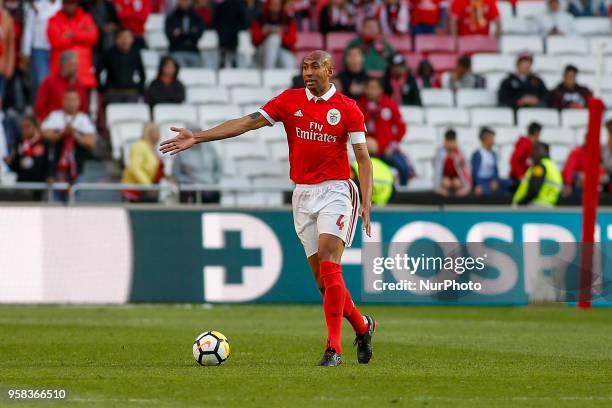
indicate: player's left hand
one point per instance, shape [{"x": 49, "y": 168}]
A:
[
  {"x": 364, "y": 213},
  {"x": 183, "y": 141}
]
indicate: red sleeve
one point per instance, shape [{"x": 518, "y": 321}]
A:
[
  {"x": 257, "y": 36},
  {"x": 399, "y": 124},
  {"x": 88, "y": 33},
  {"x": 456, "y": 8},
  {"x": 570, "y": 168},
  {"x": 273, "y": 109},
  {"x": 290, "y": 35},
  {"x": 131, "y": 13},
  {"x": 55, "y": 32},
  {"x": 357, "y": 123},
  {"x": 517, "y": 161},
  {"x": 493, "y": 11}
]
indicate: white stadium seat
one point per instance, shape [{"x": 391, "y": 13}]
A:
[
  {"x": 280, "y": 78},
  {"x": 505, "y": 9},
  {"x": 494, "y": 80},
  {"x": 236, "y": 77},
  {"x": 243, "y": 148},
  {"x": 207, "y": 95},
  {"x": 484, "y": 63},
  {"x": 507, "y": 135},
  {"x": 420, "y": 133},
  {"x": 150, "y": 58},
  {"x": 127, "y": 112},
  {"x": 603, "y": 43},
  {"x": 258, "y": 168},
  {"x": 215, "y": 114},
  {"x": 246, "y": 50},
  {"x": 250, "y": 108},
  {"x": 197, "y": 77},
  {"x": 209, "y": 40},
  {"x": 437, "y": 97},
  {"x": 171, "y": 113},
  {"x": 584, "y": 63},
  {"x": 271, "y": 134},
  {"x": 279, "y": 150},
  {"x": 412, "y": 115},
  {"x": 515, "y": 44},
  {"x": 447, "y": 117},
  {"x": 155, "y": 22},
  {"x": 563, "y": 45},
  {"x": 150, "y": 74},
  {"x": 157, "y": 40},
  {"x": 121, "y": 133},
  {"x": 467, "y": 98},
  {"x": 593, "y": 25},
  {"x": 544, "y": 116},
  {"x": 547, "y": 64},
  {"x": 550, "y": 80},
  {"x": 530, "y": 8},
  {"x": 559, "y": 153},
  {"x": 492, "y": 117},
  {"x": 244, "y": 96},
  {"x": 421, "y": 151},
  {"x": 574, "y": 118},
  {"x": 558, "y": 135},
  {"x": 517, "y": 25}
]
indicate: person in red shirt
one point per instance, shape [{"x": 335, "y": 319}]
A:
[
  {"x": 386, "y": 128},
  {"x": 72, "y": 29},
  {"x": 424, "y": 16},
  {"x": 451, "y": 172},
  {"x": 133, "y": 14},
  {"x": 470, "y": 17},
  {"x": 49, "y": 96},
  {"x": 319, "y": 122},
  {"x": 521, "y": 156},
  {"x": 274, "y": 34}
]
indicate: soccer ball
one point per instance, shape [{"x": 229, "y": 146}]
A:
[{"x": 211, "y": 348}]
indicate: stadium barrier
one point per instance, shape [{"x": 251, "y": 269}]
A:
[{"x": 88, "y": 254}]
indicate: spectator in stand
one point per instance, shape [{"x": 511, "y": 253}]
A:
[
  {"x": 30, "y": 160},
  {"x": 451, "y": 173},
  {"x": 588, "y": 8},
  {"x": 201, "y": 165},
  {"x": 105, "y": 16},
  {"x": 555, "y": 21},
  {"x": 166, "y": 88},
  {"x": 204, "y": 9},
  {"x": 35, "y": 43},
  {"x": 400, "y": 84},
  {"x": 337, "y": 15},
  {"x": 274, "y": 34},
  {"x": 133, "y": 14},
  {"x": 7, "y": 49},
  {"x": 383, "y": 181},
  {"x": 253, "y": 10},
  {"x": 471, "y": 17},
  {"x": 523, "y": 88},
  {"x": 353, "y": 77},
  {"x": 426, "y": 75},
  {"x": 485, "y": 177},
  {"x": 462, "y": 76},
  {"x": 72, "y": 29},
  {"x": 72, "y": 135},
  {"x": 184, "y": 28},
  {"x": 395, "y": 17},
  {"x": 375, "y": 49},
  {"x": 568, "y": 94},
  {"x": 521, "y": 156},
  {"x": 229, "y": 18},
  {"x": 424, "y": 16},
  {"x": 542, "y": 183},
  {"x": 125, "y": 75},
  {"x": 144, "y": 165},
  {"x": 56, "y": 84},
  {"x": 386, "y": 128}
]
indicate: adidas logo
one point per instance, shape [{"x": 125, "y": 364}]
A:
[{"x": 298, "y": 113}]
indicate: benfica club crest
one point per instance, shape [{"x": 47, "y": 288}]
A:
[{"x": 333, "y": 116}]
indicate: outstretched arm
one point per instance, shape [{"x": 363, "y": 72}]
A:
[
  {"x": 231, "y": 128},
  {"x": 365, "y": 182}
]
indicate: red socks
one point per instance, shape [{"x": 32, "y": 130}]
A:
[
  {"x": 337, "y": 302},
  {"x": 333, "y": 302}
]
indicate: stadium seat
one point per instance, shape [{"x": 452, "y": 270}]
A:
[
  {"x": 471, "y": 44},
  {"x": 606, "y": 97},
  {"x": 413, "y": 59},
  {"x": 280, "y": 78},
  {"x": 443, "y": 61},
  {"x": 209, "y": 40},
  {"x": 197, "y": 77},
  {"x": 171, "y": 113},
  {"x": 468, "y": 98},
  {"x": 545, "y": 116},
  {"x": 337, "y": 41},
  {"x": 494, "y": 80},
  {"x": 279, "y": 150},
  {"x": 150, "y": 74},
  {"x": 558, "y": 135},
  {"x": 506, "y": 135},
  {"x": 530, "y": 8},
  {"x": 127, "y": 112},
  {"x": 515, "y": 44},
  {"x": 246, "y": 50},
  {"x": 574, "y": 118},
  {"x": 559, "y": 153},
  {"x": 547, "y": 64},
  {"x": 437, "y": 97},
  {"x": 421, "y": 151},
  {"x": 420, "y": 184},
  {"x": 215, "y": 114},
  {"x": 603, "y": 43},
  {"x": 434, "y": 43},
  {"x": 250, "y": 108},
  {"x": 243, "y": 148},
  {"x": 258, "y": 168},
  {"x": 585, "y": 63},
  {"x": 244, "y": 96},
  {"x": 150, "y": 58},
  {"x": 207, "y": 95},
  {"x": 157, "y": 40},
  {"x": 516, "y": 25},
  {"x": 505, "y": 8},
  {"x": 420, "y": 133},
  {"x": 307, "y": 41},
  {"x": 562, "y": 45},
  {"x": 121, "y": 133},
  {"x": 593, "y": 25},
  {"x": 412, "y": 115},
  {"x": 401, "y": 43},
  {"x": 550, "y": 80},
  {"x": 237, "y": 77},
  {"x": 483, "y": 63},
  {"x": 270, "y": 134},
  {"x": 492, "y": 117},
  {"x": 155, "y": 22},
  {"x": 229, "y": 198},
  {"x": 273, "y": 182},
  {"x": 447, "y": 117}
]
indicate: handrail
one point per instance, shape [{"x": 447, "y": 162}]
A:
[{"x": 37, "y": 186}]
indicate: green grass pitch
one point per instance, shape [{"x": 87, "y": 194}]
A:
[{"x": 140, "y": 356}]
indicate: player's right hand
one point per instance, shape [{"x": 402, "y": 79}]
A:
[
  {"x": 364, "y": 213},
  {"x": 183, "y": 141}
]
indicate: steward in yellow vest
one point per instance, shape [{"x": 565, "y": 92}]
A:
[{"x": 542, "y": 183}]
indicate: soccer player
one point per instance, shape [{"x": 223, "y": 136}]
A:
[{"x": 319, "y": 121}]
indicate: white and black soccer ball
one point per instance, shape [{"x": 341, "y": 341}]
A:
[{"x": 211, "y": 348}]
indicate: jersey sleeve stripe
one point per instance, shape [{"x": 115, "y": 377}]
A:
[
  {"x": 357, "y": 137},
  {"x": 265, "y": 115}
]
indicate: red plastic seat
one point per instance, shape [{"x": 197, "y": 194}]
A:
[
  {"x": 309, "y": 41},
  {"x": 471, "y": 44},
  {"x": 401, "y": 43},
  {"x": 443, "y": 62},
  {"x": 338, "y": 41},
  {"x": 435, "y": 43},
  {"x": 413, "y": 59}
]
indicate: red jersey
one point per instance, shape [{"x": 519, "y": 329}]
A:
[
  {"x": 318, "y": 129},
  {"x": 425, "y": 12},
  {"x": 474, "y": 16}
]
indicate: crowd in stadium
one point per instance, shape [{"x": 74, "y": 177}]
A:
[{"x": 63, "y": 62}]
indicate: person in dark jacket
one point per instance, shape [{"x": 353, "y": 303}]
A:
[
  {"x": 353, "y": 77},
  {"x": 568, "y": 94},
  {"x": 184, "y": 28},
  {"x": 166, "y": 88},
  {"x": 230, "y": 16},
  {"x": 125, "y": 75},
  {"x": 30, "y": 160},
  {"x": 338, "y": 15},
  {"x": 400, "y": 84},
  {"x": 105, "y": 17},
  {"x": 523, "y": 88}
]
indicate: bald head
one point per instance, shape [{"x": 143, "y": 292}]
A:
[{"x": 317, "y": 70}]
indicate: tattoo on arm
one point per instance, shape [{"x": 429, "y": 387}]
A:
[{"x": 255, "y": 115}]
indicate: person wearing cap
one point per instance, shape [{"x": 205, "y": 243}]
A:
[
  {"x": 523, "y": 88},
  {"x": 542, "y": 183},
  {"x": 400, "y": 84},
  {"x": 555, "y": 21},
  {"x": 568, "y": 94}
]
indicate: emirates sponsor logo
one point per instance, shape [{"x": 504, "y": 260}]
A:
[{"x": 315, "y": 133}]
